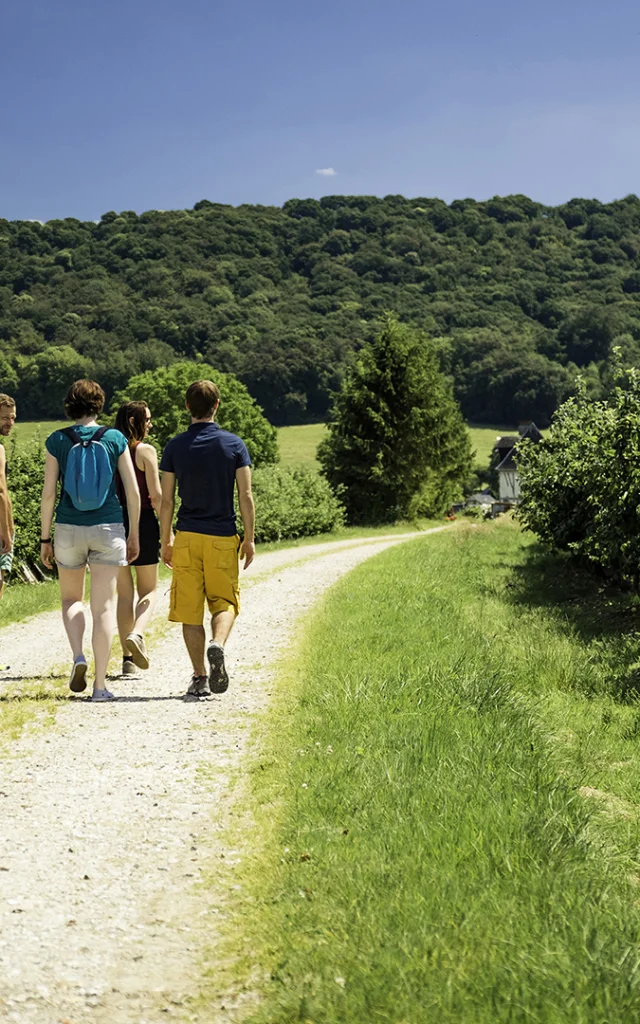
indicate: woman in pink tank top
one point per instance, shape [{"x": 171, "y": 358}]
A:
[{"x": 134, "y": 421}]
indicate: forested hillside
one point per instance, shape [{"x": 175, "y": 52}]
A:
[{"x": 517, "y": 294}]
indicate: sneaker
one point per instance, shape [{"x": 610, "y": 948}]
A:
[
  {"x": 218, "y": 678},
  {"x": 199, "y": 687},
  {"x": 78, "y": 677},
  {"x": 136, "y": 647},
  {"x": 101, "y": 696},
  {"x": 128, "y": 668}
]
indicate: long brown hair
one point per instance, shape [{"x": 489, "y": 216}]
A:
[{"x": 136, "y": 411}]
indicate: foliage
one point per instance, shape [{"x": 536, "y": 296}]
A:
[
  {"x": 293, "y": 503},
  {"x": 519, "y": 294},
  {"x": 398, "y": 446},
  {"x": 164, "y": 391},
  {"x": 581, "y": 485},
  {"x": 423, "y": 849},
  {"x": 25, "y": 479}
]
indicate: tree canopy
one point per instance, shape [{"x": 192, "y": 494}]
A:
[
  {"x": 518, "y": 295},
  {"x": 398, "y": 445},
  {"x": 164, "y": 391}
]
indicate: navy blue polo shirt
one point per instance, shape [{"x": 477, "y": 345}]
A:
[{"x": 205, "y": 459}]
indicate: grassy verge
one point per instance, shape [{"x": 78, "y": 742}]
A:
[{"x": 447, "y": 799}]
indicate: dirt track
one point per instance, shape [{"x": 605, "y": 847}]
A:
[{"x": 108, "y": 817}]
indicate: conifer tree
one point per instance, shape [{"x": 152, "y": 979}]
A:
[{"x": 398, "y": 445}]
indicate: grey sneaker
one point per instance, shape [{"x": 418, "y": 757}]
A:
[
  {"x": 136, "y": 647},
  {"x": 102, "y": 696},
  {"x": 128, "y": 668},
  {"x": 78, "y": 677},
  {"x": 199, "y": 687},
  {"x": 218, "y": 678}
]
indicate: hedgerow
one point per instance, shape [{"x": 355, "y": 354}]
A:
[{"x": 581, "y": 485}]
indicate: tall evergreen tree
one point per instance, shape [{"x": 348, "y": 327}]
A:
[{"x": 398, "y": 445}]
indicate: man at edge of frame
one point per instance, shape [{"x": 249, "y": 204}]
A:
[
  {"x": 7, "y": 528},
  {"x": 207, "y": 463}
]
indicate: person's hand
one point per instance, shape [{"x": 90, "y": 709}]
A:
[
  {"x": 46, "y": 555},
  {"x": 167, "y": 555},
  {"x": 6, "y": 543},
  {"x": 248, "y": 552},
  {"x": 133, "y": 549}
]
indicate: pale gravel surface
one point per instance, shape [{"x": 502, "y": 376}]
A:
[{"x": 107, "y": 819}]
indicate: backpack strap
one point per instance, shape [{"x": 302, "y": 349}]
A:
[
  {"x": 75, "y": 438},
  {"x": 71, "y": 434}
]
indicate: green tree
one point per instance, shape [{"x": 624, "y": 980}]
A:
[
  {"x": 398, "y": 445},
  {"x": 581, "y": 485},
  {"x": 164, "y": 391}
]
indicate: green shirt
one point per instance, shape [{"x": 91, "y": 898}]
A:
[{"x": 59, "y": 445}]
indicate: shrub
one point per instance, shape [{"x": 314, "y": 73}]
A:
[
  {"x": 25, "y": 479},
  {"x": 293, "y": 503},
  {"x": 398, "y": 446},
  {"x": 164, "y": 391},
  {"x": 581, "y": 485}
]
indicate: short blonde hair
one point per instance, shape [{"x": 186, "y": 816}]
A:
[{"x": 7, "y": 400}]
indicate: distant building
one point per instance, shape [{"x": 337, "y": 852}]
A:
[{"x": 505, "y": 456}]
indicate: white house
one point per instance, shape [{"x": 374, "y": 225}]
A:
[{"x": 505, "y": 455}]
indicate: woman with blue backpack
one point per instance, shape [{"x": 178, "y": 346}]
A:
[{"x": 89, "y": 526}]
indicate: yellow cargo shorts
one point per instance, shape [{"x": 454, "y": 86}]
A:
[{"x": 203, "y": 567}]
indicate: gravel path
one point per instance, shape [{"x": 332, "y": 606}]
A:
[{"x": 108, "y": 817}]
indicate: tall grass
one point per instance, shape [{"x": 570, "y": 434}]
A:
[{"x": 430, "y": 843}]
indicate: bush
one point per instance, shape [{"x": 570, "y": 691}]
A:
[
  {"x": 25, "y": 479},
  {"x": 294, "y": 503},
  {"x": 164, "y": 391},
  {"x": 581, "y": 485}
]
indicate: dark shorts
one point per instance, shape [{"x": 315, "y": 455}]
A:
[{"x": 149, "y": 538}]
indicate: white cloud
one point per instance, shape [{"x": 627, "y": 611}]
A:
[{"x": 326, "y": 172}]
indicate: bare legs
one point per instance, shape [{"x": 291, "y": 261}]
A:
[
  {"x": 103, "y": 591},
  {"x": 103, "y": 594},
  {"x": 194, "y": 638},
  {"x": 134, "y": 617},
  {"x": 73, "y": 616}
]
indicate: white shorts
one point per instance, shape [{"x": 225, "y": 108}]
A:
[{"x": 74, "y": 546}]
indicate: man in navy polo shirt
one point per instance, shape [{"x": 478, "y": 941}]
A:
[{"x": 207, "y": 463}]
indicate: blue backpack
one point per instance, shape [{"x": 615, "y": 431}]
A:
[{"x": 88, "y": 475}]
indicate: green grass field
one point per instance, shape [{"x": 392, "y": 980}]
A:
[
  {"x": 29, "y": 429},
  {"x": 447, "y": 799},
  {"x": 298, "y": 444}
]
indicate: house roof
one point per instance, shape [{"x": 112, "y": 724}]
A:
[
  {"x": 509, "y": 461},
  {"x": 508, "y": 442},
  {"x": 481, "y": 498}
]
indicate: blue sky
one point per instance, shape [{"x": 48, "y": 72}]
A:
[{"x": 155, "y": 104}]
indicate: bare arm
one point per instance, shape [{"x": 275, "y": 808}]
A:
[
  {"x": 132, "y": 494},
  {"x": 149, "y": 459},
  {"x": 248, "y": 514},
  {"x": 166, "y": 516},
  {"x": 6, "y": 514},
  {"x": 51, "y": 474}
]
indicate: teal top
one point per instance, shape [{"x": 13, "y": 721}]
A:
[{"x": 59, "y": 445}]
